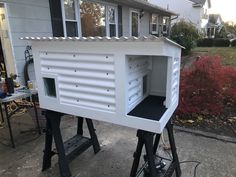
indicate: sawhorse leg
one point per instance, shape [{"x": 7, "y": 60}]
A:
[
  {"x": 144, "y": 138},
  {"x": 93, "y": 135},
  {"x": 80, "y": 126},
  {"x": 8, "y": 117},
  {"x": 169, "y": 128},
  {"x": 137, "y": 155},
  {"x": 1, "y": 112},
  {"x": 53, "y": 131},
  {"x": 96, "y": 146},
  {"x": 48, "y": 153},
  {"x": 36, "y": 113}
]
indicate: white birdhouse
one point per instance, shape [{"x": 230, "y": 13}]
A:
[{"x": 132, "y": 82}]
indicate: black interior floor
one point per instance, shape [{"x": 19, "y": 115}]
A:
[{"x": 150, "y": 108}]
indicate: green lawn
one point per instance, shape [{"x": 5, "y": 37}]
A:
[{"x": 228, "y": 54}]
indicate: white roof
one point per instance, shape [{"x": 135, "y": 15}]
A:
[{"x": 150, "y": 38}]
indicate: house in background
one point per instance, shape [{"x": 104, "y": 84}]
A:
[
  {"x": 215, "y": 24},
  {"x": 20, "y": 18},
  {"x": 193, "y": 11}
]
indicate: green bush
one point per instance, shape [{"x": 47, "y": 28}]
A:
[
  {"x": 233, "y": 43},
  {"x": 210, "y": 42},
  {"x": 206, "y": 42},
  {"x": 185, "y": 34},
  {"x": 221, "y": 42}
]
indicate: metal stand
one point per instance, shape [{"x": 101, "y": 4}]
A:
[
  {"x": 9, "y": 125},
  {"x": 146, "y": 139},
  {"x": 34, "y": 96},
  {"x": 10, "y": 114},
  {"x": 70, "y": 149},
  {"x": 1, "y": 113}
]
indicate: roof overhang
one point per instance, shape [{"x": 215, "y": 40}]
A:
[
  {"x": 201, "y": 4},
  {"x": 149, "y": 38},
  {"x": 146, "y": 6},
  {"x": 197, "y": 5}
]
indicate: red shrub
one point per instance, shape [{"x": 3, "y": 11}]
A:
[
  {"x": 206, "y": 86},
  {"x": 229, "y": 90}
]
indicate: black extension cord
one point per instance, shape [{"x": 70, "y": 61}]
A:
[
  {"x": 192, "y": 161},
  {"x": 182, "y": 162}
]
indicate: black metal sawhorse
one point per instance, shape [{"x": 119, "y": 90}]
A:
[
  {"x": 146, "y": 139},
  {"x": 70, "y": 149}
]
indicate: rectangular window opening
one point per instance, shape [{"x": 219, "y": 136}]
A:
[
  {"x": 135, "y": 24},
  {"x": 147, "y": 86},
  {"x": 154, "y": 24},
  {"x": 93, "y": 19},
  {"x": 71, "y": 29},
  {"x": 49, "y": 86},
  {"x": 98, "y": 19},
  {"x": 70, "y": 18}
]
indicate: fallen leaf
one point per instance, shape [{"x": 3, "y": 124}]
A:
[
  {"x": 232, "y": 120},
  {"x": 182, "y": 121},
  {"x": 199, "y": 118},
  {"x": 190, "y": 121}
]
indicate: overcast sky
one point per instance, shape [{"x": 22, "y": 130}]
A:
[{"x": 227, "y": 9}]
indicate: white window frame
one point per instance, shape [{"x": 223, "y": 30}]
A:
[
  {"x": 157, "y": 24},
  {"x": 107, "y": 19},
  {"x": 77, "y": 18},
  {"x": 130, "y": 21},
  {"x": 167, "y": 25},
  {"x": 107, "y": 5}
]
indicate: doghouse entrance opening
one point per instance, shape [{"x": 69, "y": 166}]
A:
[
  {"x": 49, "y": 86},
  {"x": 147, "y": 78}
]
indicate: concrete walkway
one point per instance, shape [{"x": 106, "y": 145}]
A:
[{"x": 218, "y": 159}]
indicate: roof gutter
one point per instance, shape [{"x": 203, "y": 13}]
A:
[
  {"x": 177, "y": 16},
  {"x": 197, "y": 5},
  {"x": 140, "y": 4}
]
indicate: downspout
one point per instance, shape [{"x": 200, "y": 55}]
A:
[{"x": 171, "y": 19}]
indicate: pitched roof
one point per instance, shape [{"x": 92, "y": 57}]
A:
[
  {"x": 214, "y": 19},
  {"x": 201, "y": 2},
  {"x": 149, "y": 38}
]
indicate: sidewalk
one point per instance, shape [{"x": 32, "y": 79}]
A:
[{"x": 218, "y": 159}]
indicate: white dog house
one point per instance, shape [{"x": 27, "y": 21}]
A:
[{"x": 127, "y": 81}]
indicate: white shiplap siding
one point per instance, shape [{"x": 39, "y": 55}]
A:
[
  {"x": 144, "y": 24},
  {"x": 27, "y": 18}
]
